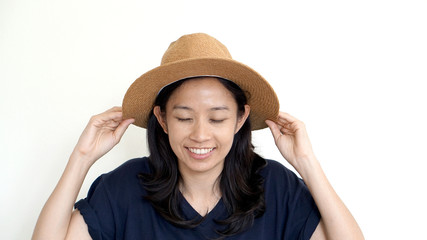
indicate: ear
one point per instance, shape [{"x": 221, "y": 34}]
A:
[
  {"x": 242, "y": 119},
  {"x": 161, "y": 118}
]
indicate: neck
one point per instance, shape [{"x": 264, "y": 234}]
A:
[
  {"x": 201, "y": 190},
  {"x": 199, "y": 186}
]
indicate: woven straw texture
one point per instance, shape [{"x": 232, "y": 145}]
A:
[{"x": 193, "y": 56}]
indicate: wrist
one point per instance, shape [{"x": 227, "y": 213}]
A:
[
  {"x": 308, "y": 166},
  {"x": 80, "y": 161}
]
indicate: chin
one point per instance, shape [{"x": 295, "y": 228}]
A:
[{"x": 203, "y": 166}]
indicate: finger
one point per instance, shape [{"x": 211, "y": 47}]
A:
[
  {"x": 275, "y": 131},
  {"x": 284, "y": 123},
  {"x": 107, "y": 116},
  {"x": 281, "y": 123},
  {"x": 121, "y": 129},
  {"x": 285, "y": 126},
  {"x": 287, "y": 131},
  {"x": 287, "y": 117},
  {"x": 289, "y": 121},
  {"x": 112, "y": 124}
]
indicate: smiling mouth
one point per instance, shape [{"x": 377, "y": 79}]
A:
[{"x": 200, "y": 151}]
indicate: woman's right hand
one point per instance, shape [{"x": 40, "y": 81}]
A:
[{"x": 101, "y": 134}]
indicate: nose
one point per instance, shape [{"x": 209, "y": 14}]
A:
[{"x": 200, "y": 132}]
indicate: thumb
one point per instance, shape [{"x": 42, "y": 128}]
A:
[
  {"x": 275, "y": 131},
  {"x": 121, "y": 129}
]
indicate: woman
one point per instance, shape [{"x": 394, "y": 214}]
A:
[{"x": 202, "y": 179}]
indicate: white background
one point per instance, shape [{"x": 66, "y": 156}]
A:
[{"x": 353, "y": 71}]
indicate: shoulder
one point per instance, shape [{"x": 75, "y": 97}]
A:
[
  {"x": 286, "y": 193},
  {"x": 125, "y": 177},
  {"x": 275, "y": 169},
  {"x": 112, "y": 196},
  {"x": 132, "y": 166},
  {"x": 277, "y": 176}
]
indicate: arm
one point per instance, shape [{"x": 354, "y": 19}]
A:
[
  {"x": 101, "y": 134},
  {"x": 293, "y": 143}
]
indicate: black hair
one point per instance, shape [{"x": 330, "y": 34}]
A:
[{"x": 240, "y": 184}]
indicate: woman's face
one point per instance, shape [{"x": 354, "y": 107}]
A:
[{"x": 201, "y": 120}]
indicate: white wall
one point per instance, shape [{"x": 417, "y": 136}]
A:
[{"x": 353, "y": 71}]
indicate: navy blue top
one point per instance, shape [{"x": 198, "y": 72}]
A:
[{"x": 115, "y": 208}]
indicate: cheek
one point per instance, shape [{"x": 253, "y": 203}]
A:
[
  {"x": 175, "y": 144},
  {"x": 176, "y": 135},
  {"x": 226, "y": 137}
]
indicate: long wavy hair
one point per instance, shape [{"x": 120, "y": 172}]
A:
[{"x": 240, "y": 184}]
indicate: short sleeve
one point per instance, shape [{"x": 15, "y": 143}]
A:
[
  {"x": 304, "y": 215},
  {"x": 97, "y": 211},
  {"x": 287, "y": 194}
]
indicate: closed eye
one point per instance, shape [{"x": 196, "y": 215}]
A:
[
  {"x": 217, "y": 120},
  {"x": 183, "y": 119}
]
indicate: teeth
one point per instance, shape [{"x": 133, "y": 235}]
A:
[{"x": 200, "y": 150}]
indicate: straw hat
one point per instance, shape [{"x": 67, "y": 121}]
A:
[{"x": 200, "y": 55}]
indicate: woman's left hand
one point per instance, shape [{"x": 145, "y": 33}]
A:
[{"x": 291, "y": 138}]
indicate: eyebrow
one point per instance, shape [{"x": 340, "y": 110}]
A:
[{"x": 211, "y": 109}]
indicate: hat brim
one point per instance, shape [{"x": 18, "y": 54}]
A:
[{"x": 139, "y": 98}]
